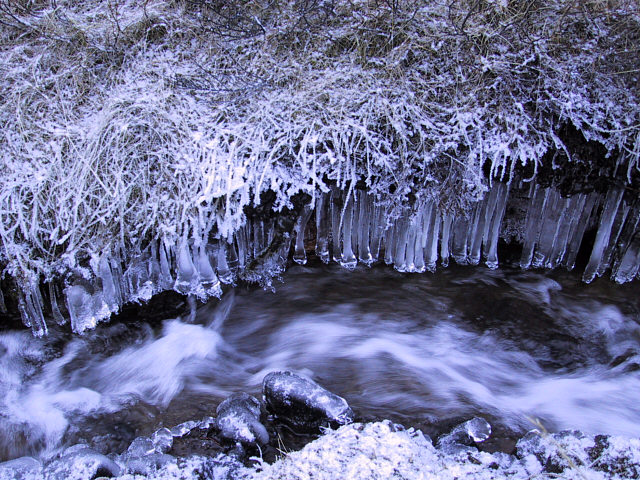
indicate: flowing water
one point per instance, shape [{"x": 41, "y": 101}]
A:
[{"x": 423, "y": 350}]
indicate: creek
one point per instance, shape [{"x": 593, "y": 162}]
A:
[{"x": 424, "y": 350}]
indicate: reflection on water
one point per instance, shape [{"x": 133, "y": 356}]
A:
[{"x": 418, "y": 349}]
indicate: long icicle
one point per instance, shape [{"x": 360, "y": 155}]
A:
[{"x": 612, "y": 202}]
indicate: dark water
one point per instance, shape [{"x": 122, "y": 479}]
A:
[{"x": 424, "y": 350}]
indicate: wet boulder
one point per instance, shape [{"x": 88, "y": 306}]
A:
[
  {"x": 238, "y": 420},
  {"x": 302, "y": 403},
  {"x": 465, "y": 436}
]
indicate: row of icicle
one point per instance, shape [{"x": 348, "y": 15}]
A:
[{"x": 350, "y": 229}]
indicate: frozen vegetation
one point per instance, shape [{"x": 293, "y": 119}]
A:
[{"x": 160, "y": 145}]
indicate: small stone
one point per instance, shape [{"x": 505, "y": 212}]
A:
[
  {"x": 239, "y": 420},
  {"x": 302, "y": 403}
]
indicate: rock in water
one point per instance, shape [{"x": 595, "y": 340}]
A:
[
  {"x": 463, "y": 437},
  {"x": 302, "y": 403},
  {"x": 239, "y": 420}
]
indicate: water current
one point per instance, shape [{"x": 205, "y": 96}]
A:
[{"x": 423, "y": 350}]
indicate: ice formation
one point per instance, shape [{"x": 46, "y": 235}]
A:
[{"x": 351, "y": 228}]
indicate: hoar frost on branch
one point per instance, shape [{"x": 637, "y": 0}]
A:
[{"x": 126, "y": 122}]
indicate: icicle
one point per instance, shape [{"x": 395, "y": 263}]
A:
[
  {"x": 376, "y": 229},
  {"x": 348, "y": 258},
  {"x": 364, "y": 229},
  {"x": 242, "y": 239},
  {"x": 631, "y": 226},
  {"x": 271, "y": 235},
  {"x": 533, "y": 224},
  {"x": 616, "y": 229},
  {"x": 478, "y": 226},
  {"x": 137, "y": 276},
  {"x": 185, "y": 269},
  {"x": 209, "y": 283},
  {"x": 548, "y": 229},
  {"x": 494, "y": 223},
  {"x": 166, "y": 281},
  {"x": 153, "y": 268},
  {"x": 389, "y": 244},
  {"x": 400, "y": 241},
  {"x": 258, "y": 239},
  {"x": 411, "y": 250},
  {"x": 419, "y": 252},
  {"x": 85, "y": 309},
  {"x": 460, "y": 239},
  {"x": 120, "y": 283},
  {"x": 336, "y": 212},
  {"x": 322, "y": 228},
  {"x": 299, "y": 254},
  {"x": 232, "y": 256},
  {"x": 581, "y": 224},
  {"x": 30, "y": 305},
  {"x": 608, "y": 216},
  {"x": 3, "y": 307},
  {"x": 55, "y": 308},
  {"x": 629, "y": 264},
  {"x": 418, "y": 241},
  {"x": 570, "y": 211},
  {"x": 224, "y": 272},
  {"x": 242, "y": 245},
  {"x": 431, "y": 244},
  {"x": 445, "y": 241},
  {"x": 109, "y": 290},
  {"x": 355, "y": 222}
]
